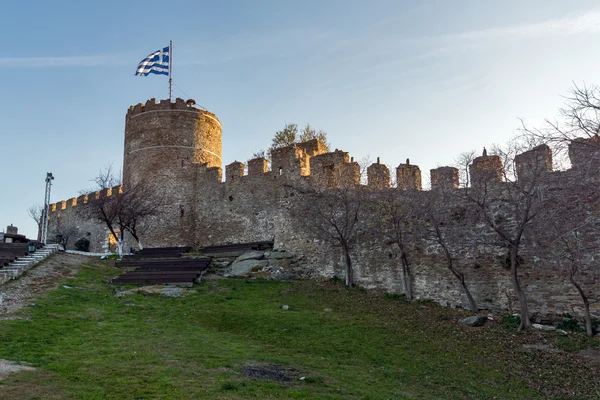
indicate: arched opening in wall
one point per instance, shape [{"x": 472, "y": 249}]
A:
[
  {"x": 112, "y": 242},
  {"x": 232, "y": 178},
  {"x": 230, "y": 198},
  {"x": 280, "y": 171}
]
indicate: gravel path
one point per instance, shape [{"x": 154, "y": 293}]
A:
[{"x": 46, "y": 276}]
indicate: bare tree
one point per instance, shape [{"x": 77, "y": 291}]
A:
[
  {"x": 63, "y": 233},
  {"x": 441, "y": 223},
  {"x": 333, "y": 211},
  {"x": 36, "y": 212},
  {"x": 107, "y": 178},
  {"x": 578, "y": 120},
  {"x": 569, "y": 233},
  {"x": 462, "y": 163},
  {"x": 509, "y": 209},
  {"x": 120, "y": 212},
  {"x": 394, "y": 215},
  {"x": 138, "y": 206},
  {"x": 105, "y": 209}
]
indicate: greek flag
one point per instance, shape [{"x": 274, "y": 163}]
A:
[{"x": 155, "y": 63}]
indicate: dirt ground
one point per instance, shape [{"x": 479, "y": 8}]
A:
[
  {"x": 23, "y": 291},
  {"x": 46, "y": 276}
]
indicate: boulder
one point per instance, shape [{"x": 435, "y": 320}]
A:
[
  {"x": 476, "y": 320},
  {"x": 220, "y": 264},
  {"x": 241, "y": 268},
  {"x": 251, "y": 255},
  {"x": 544, "y": 327}
]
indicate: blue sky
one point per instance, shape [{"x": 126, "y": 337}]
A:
[{"x": 391, "y": 79}]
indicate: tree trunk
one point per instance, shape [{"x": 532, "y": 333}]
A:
[
  {"x": 472, "y": 303},
  {"x": 524, "y": 310},
  {"x": 455, "y": 272},
  {"x": 461, "y": 279},
  {"x": 137, "y": 240},
  {"x": 349, "y": 273},
  {"x": 586, "y": 307},
  {"x": 406, "y": 276}
]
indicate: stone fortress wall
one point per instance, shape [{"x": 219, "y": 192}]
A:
[{"x": 178, "y": 147}]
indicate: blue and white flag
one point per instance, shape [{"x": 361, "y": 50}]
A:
[{"x": 155, "y": 63}]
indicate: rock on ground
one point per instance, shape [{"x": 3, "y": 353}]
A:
[
  {"x": 251, "y": 255},
  {"x": 9, "y": 367},
  {"x": 544, "y": 327},
  {"x": 241, "y": 268}
]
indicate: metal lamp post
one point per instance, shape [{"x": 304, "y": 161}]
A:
[{"x": 49, "y": 179}]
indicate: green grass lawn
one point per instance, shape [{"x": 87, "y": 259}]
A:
[{"x": 89, "y": 344}]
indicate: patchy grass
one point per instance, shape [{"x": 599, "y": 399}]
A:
[{"x": 232, "y": 340}]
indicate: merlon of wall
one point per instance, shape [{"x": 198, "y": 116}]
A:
[
  {"x": 444, "y": 178},
  {"x": 234, "y": 171},
  {"x": 584, "y": 153},
  {"x": 408, "y": 176},
  {"x": 258, "y": 166},
  {"x": 486, "y": 169},
  {"x": 378, "y": 175},
  {"x": 535, "y": 161}
]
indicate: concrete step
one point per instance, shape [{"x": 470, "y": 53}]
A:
[{"x": 22, "y": 264}]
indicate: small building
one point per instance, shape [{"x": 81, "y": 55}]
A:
[{"x": 12, "y": 236}]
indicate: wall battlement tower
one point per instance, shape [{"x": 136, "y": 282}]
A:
[
  {"x": 168, "y": 147},
  {"x": 163, "y": 138}
]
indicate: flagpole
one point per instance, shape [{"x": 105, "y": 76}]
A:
[{"x": 170, "y": 70}]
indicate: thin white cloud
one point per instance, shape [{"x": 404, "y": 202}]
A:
[
  {"x": 104, "y": 60},
  {"x": 586, "y": 23},
  {"x": 288, "y": 42}
]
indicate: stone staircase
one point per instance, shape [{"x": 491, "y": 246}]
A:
[{"x": 22, "y": 264}]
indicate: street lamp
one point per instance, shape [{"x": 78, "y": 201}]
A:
[{"x": 49, "y": 179}]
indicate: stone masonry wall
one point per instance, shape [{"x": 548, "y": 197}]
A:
[{"x": 200, "y": 209}]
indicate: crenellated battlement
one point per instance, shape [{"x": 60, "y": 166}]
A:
[
  {"x": 310, "y": 161},
  {"x": 84, "y": 199},
  {"x": 167, "y": 105}
]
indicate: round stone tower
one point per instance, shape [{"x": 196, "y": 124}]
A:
[
  {"x": 161, "y": 139},
  {"x": 167, "y": 148}
]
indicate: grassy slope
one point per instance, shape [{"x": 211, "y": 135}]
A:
[{"x": 90, "y": 344}]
